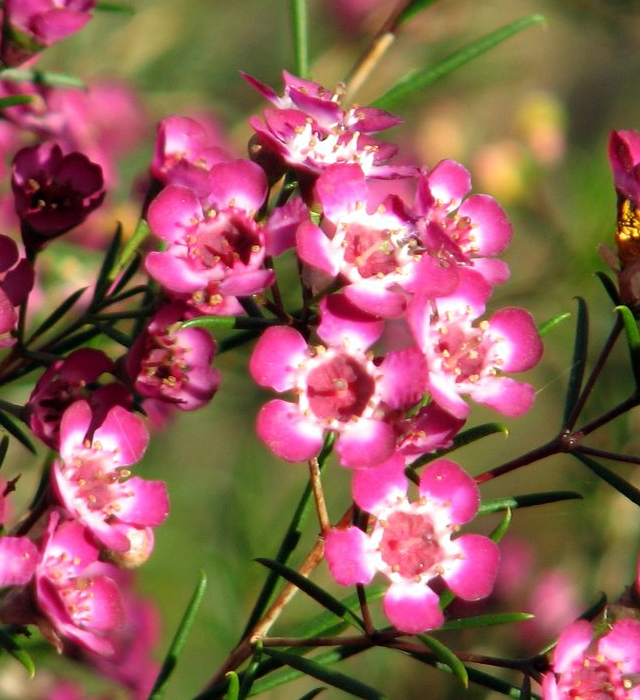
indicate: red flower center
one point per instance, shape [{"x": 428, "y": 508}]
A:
[{"x": 409, "y": 544}]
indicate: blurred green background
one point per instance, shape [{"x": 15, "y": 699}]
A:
[{"x": 531, "y": 120}]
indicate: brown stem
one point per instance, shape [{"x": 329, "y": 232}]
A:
[{"x": 318, "y": 496}]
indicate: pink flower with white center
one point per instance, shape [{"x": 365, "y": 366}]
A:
[
  {"x": 184, "y": 154},
  {"x": 339, "y": 388},
  {"x": 214, "y": 252},
  {"x": 379, "y": 253},
  {"x": 53, "y": 192},
  {"x": 469, "y": 359},
  {"x": 608, "y": 672},
  {"x": 92, "y": 481},
  {"x": 30, "y": 25},
  {"x": 16, "y": 281},
  {"x": 412, "y": 542},
  {"x": 309, "y": 131},
  {"x": 473, "y": 229},
  {"x": 173, "y": 364}
]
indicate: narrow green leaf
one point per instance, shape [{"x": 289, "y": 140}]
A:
[
  {"x": 447, "y": 657},
  {"x": 233, "y": 322},
  {"x": 545, "y": 327},
  {"x": 249, "y": 676},
  {"x": 617, "y": 482},
  {"x": 501, "y": 529},
  {"x": 413, "y": 8},
  {"x": 633, "y": 341},
  {"x": 13, "y": 429},
  {"x": 130, "y": 249},
  {"x": 120, "y": 7},
  {"x": 497, "y": 684},
  {"x": 322, "y": 673},
  {"x": 71, "y": 342},
  {"x": 493, "y": 505},
  {"x": 9, "y": 644},
  {"x": 486, "y": 620},
  {"x": 314, "y": 591},
  {"x": 313, "y": 693},
  {"x": 179, "y": 639},
  {"x": 300, "y": 27},
  {"x": 103, "y": 282},
  {"x": 579, "y": 361},
  {"x": 15, "y": 100},
  {"x": 461, "y": 440},
  {"x": 51, "y": 320},
  {"x": 113, "y": 333},
  {"x": 419, "y": 79},
  {"x": 42, "y": 78},
  {"x": 4, "y": 446},
  {"x": 233, "y": 689},
  {"x": 609, "y": 287}
]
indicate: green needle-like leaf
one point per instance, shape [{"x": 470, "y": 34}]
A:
[
  {"x": 44, "y": 78},
  {"x": 501, "y": 530},
  {"x": 251, "y": 673},
  {"x": 15, "y": 100},
  {"x": 300, "y": 27},
  {"x": 8, "y": 643},
  {"x": 633, "y": 341},
  {"x": 4, "y": 446},
  {"x": 446, "y": 657},
  {"x": 120, "y": 7},
  {"x": 13, "y": 429},
  {"x": 214, "y": 323},
  {"x": 613, "y": 479},
  {"x": 545, "y": 327},
  {"x": 579, "y": 360},
  {"x": 417, "y": 80},
  {"x": 609, "y": 287},
  {"x": 486, "y": 620},
  {"x": 103, "y": 282},
  {"x": 313, "y": 693},
  {"x": 51, "y": 320},
  {"x": 130, "y": 249},
  {"x": 493, "y": 505},
  {"x": 179, "y": 639},
  {"x": 314, "y": 591},
  {"x": 413, "y": 8},
  {"x": 322, "y": 673},
  {"x": 233, "y": 689}
]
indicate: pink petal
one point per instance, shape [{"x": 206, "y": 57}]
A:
[
  {"x": 19, "y": 558},
  {"x": 276, "y": 357},
  {"x": 146, "y": 503},
  {"x": 314, "y": 248},
  {"x": 572, "y": 644},
  {"x": 445, "y": 481},
  {"x": 491, "y": 228},
  {"x": 341, "y": 188},
  {"x": 475, "y": 572},
  {"x": 241, "y": 184},
  {"x": 345, "y": 551},
  {"x": 173, "y": 273},
  {"x": 105, "y": 604},
  {"x": 124, "y": 432},
  {"x": 287, "y": 433},
  {"x": 522, "y": 348},
  {"x": 343, "y": 323},
  {"x": 377, "y": 488},
  {"x": 371, "y": 296},
  {"x": 404, "y": 378},
  {"x": 505, "y": 395},
  {"x": 622, "y": 645},
  {"x": 175, "y": 210},
  {"x": 412, "y": 608},
  {"x": 366, "y": 443},
  {"x": 74, "y": 425},
  {"x": 447, "y": 184}
]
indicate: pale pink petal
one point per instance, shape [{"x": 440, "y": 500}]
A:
[
  {"x": 74, "y": 426},
  {"x": 412, "y": 608},
  {"x": 372, "y": 297},
  {"x": 572, "y": 644},
  {"x": 146, "y": 503},
  {"x": 378, "y": 488},
  {"x": 366, "y": 443},
  {"x": 287, "y": 433},
  {"x": 345, "y": 551},
  {"x": 505, "y": 395},
  {"x": 314, "y": 248},
  {"x": 124, "y": 432},
  {"x": 475, "y": 572}
]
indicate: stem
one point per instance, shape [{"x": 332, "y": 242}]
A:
[
  {"x": 553, "y": 447},
  {"x": 318, "y": 496}
]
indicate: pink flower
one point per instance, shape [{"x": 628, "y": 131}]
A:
[
  {"x": 624, "y": 158},
  {"x": 174, "y": 365},
  {"x": 16, "y": 281},
  {"x": 338, "y": 387},
  {"x": 53, "y": 192},
  {"x": 577, "y": 669},
  {"x": 34, "y": 24},
  {"x": 380, "y": 253},
  {"x": 214, "y": 252},
  {"x": 92, "y": 480},
  {"x": 18, "y": 560},
  {"x": 465, "y": 358},
  {"x": 412, "y": 543}
]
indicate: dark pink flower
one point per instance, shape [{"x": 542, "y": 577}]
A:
[
  {"x": 338, "y": 386},
  {"x": 31, "y": 25},
  {"x": 604, "y": 672},
  {"x": 19, "y": 558},
  {"x": 173, "y": 364},
  {"x": 91, "y": 479},
  {"x": 413, "y": 542},
  {"x": 624, "y": 158},
  {"x": 16, "y": 281},
  {"x": 53, "y": 192}
]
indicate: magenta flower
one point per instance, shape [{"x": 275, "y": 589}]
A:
[
  {"x": 172, "y": 364},
  {"x": 92, "y": 480},
  {"x": 465, "y": 358},
  {"x": 412, "y": 542},
  {"x": 53, "y": 192},
  {"x": 214, "y": 252},
  {"x": 380, "y": 253},
  {"x": 16, "y": 281},
  {"x": 624, "y": 158},
  {"x": 338, "y": 387},
  {"x": 19, "y": 558},
  {"x": 608, "y": 671},
  {"x": 30, "y": 25}
]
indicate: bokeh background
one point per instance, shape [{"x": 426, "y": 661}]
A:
[{"x": 531, "y": 121}]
